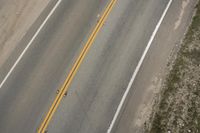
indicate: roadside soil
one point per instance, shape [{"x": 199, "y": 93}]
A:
[{"x": 177, "y": 106}]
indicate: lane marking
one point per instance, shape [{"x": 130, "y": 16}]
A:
[
  {"x": 30, "y": 42},
  {"x": 137, "y": 69},
  {"x": 75, "y": 67}
]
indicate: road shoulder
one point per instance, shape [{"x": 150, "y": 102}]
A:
[
  {"x": 141, "y": 98},
  {"x": 16, "y": 18}
]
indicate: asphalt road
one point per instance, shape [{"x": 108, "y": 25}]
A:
[
  {"x": 103, "y": 76},
  {"x": 106, "y": 71},
  {"x": 29, "y": 91},
  {"x": 154, "y": 69}
]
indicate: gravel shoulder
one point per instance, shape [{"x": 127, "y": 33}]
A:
[
  {"x": 177, "y": 108},
  {"x": 16, "y": 17}
]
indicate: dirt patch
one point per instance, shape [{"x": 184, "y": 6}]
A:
[
  {"x": 145, "y": 109},
  {"x": 178, "y": 22}
]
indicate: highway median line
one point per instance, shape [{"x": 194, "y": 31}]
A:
[{"x": 75, "y": 68}]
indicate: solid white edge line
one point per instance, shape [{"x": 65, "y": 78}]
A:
[
  {"x": 30, "y": 42},
  {"x": 137, "y": 68}
]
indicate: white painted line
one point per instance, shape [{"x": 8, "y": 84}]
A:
[
  {"x": 30, "y": 42},
  {"x": 137, "y": 68}
]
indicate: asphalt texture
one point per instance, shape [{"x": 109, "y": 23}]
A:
[
  {"x": 99, "y": 84},
  {"x": 105, "y": 72},
  {"x": 29, "y": 91}
]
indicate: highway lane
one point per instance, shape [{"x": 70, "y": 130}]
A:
[
  {"x": 64, "y": 89},
  {"x": 29, "y": 91},
  {"x": 100, "y": 82}
]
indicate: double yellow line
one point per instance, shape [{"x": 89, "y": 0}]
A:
[{"x": 75, "y": 67}]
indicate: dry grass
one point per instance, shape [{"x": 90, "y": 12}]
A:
[{"x": 179, "y": 107}]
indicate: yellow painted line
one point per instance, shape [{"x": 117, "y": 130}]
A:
[{"x": 75, "y": 67}]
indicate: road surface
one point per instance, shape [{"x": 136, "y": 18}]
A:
[
  {"x": 103, "y": 76},
  {"x": 30, "y": 89}
]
